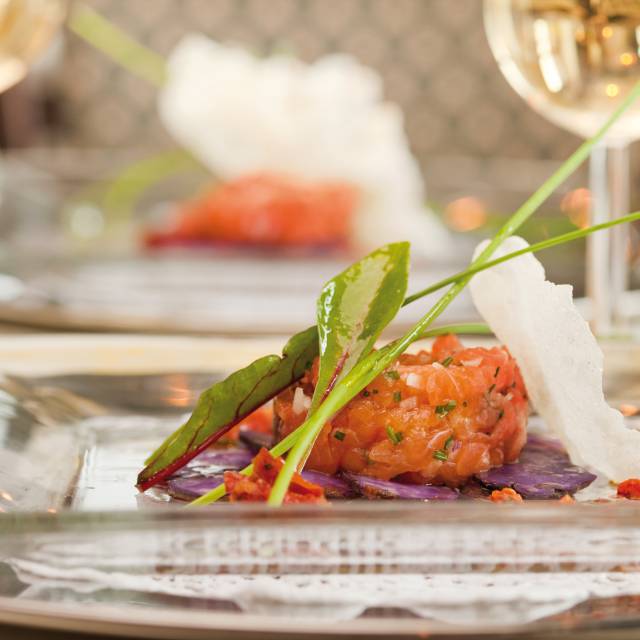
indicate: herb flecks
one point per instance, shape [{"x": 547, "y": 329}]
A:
[
  {"x": 397, "y": 396},
  {"x": 443, "y": 409},
  {"x": 392, "y": 375},
  {"x": 366, "y": 393},
  {"x": 393, "y": 435},
  {"x": 492, "y": 387},
  {"x": 339, "y": 435},
  {"x": 447, "y": 361},
  {"x": 495, "y": 375},
  {"x": 443, "y": 454}
]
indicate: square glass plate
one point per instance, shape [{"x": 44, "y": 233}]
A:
[{"x": 81, "y": 549}]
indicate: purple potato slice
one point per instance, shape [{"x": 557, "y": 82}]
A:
[
  {"x": 256, "y": 440},
  {"x": 334, "y": 486},
  {"x": 543, "y": 472},
  {"x": 219, "y": 460},
  {"x": 191, "y": 488},
  {"x": 373, "y": 488}
]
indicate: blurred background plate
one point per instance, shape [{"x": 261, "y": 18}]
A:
[
  {"x": 212, "y": 293},
  {"x": 75, "y": 260}
]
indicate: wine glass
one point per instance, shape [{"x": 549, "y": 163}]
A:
[
  {"x": 26, "y": 29},
  {"x": 573, "y": 61}
]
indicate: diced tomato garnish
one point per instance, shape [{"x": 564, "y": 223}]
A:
[
  {"x": 505, "y": 495},
  {"x": 629, "y": 489},
  {"x": 257, "y": 487}
]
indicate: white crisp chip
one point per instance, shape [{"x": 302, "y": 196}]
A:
[{"x": 560, "y": 361}]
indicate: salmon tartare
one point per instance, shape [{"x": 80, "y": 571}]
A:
[{"x": 438, "y": 417}]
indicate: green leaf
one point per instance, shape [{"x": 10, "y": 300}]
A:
[
  {"x": 354, "y": 308},
  {"x": 227, "y": 402}
]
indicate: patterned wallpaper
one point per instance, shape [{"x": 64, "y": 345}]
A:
[{"x": 432, "y": 54}]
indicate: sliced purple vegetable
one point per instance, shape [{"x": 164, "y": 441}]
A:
[
  {"x": 255, "y": 440},
  {"x": 222, "y": 458},
  {"x": 375, "y": 488},
  {"x": 543, "y": 472},
  {"x": 334, "y": 486},
  {"x": 194, "y": 487},
  {"x": 213, "y": 462}
]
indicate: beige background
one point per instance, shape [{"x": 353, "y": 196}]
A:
[{"x": 432, "y": 54}]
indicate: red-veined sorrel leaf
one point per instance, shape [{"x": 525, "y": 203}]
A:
[
  {"x": 354, "y": 308},
  {"x": 229, "y": 401}
]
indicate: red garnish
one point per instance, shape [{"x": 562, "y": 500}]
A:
[
  {"x": 267, "y": 210},
  {"x": 505, "y": 495},
  {"x": 629, "y": 489},
  {"x": 257, "y": 486}
]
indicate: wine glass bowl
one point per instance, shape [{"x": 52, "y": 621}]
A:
[
  {"x": 573, "y": 61},
  {"x": 27, "y": 28}
]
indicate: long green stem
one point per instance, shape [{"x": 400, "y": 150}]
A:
[
  {"x": 124, "y": 191},
  {"x": 117, "y": 45},
  {"x": 356, "y": 380},
  {"x": 534, "y": 248}
]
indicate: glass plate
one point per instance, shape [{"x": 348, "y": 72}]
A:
[{"x": 81, "y": 549}]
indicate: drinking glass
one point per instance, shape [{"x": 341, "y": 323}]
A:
[
  {"x": 573, "y": 61},
  {"x": 26, "y": 29}
]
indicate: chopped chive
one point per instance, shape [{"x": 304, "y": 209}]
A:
[
  {"x": 500, "y": 415},
  {"x": 339, "y": 435},
  {"x": 397, "y": 396},
  {"x": 392, "y": 375},
  {"x": 443, "y": 409},
  {"x": 495, "y": 375},
  {"x": 394, "y": 436},
  {"x": 465, "y": 403},
  {"x": 366, "y": 393},
  {"x": 442, "y": 454},
  {"x": 447, "y": 361},
  {"x": 375, "y": 392},
  {"x": 492, "y": 387},
  {"x": 268, "y": 466}
]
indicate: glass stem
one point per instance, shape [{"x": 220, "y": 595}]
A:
[
  {"x": 607, "y": 265},
  {"x": 619, "y": 198}
]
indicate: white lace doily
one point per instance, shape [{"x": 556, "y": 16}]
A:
[{"x": 506, "y": 598}]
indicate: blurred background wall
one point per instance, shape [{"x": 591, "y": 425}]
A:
[
  {"x": 472, "y": 134},
  {"x": 432, "y": 54}
]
